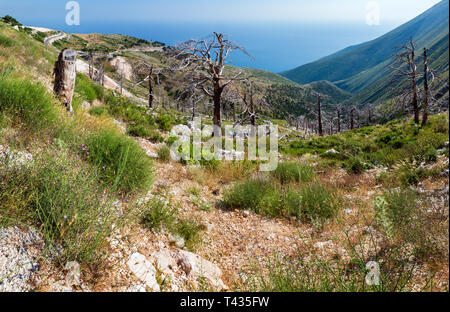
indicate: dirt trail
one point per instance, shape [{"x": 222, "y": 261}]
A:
[{"x": 233, "y": 238}]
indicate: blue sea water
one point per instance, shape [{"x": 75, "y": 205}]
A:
[{"x": 274, "y": 46}]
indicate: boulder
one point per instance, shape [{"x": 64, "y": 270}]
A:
[
  {"x": 144, "y": 270},
  {"x": 197, "y": 267}
]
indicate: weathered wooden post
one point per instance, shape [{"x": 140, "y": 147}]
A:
[{"x": 65, "y": 76}]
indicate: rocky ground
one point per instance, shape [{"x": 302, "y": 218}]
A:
[{"x": 144, "y": 260}]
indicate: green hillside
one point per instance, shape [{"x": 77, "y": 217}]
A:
[
  {"x": 334, "y": 93},
  {"x": 357, "y": 67}
]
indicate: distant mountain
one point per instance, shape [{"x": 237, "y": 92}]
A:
[{"x": 361, "y": 69}]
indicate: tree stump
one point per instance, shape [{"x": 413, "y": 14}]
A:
[{"x": 65, "y": 76}]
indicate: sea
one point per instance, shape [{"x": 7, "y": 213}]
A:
[{"x": 273, "y": 46}]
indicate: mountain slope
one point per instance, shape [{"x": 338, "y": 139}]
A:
[
  {"x": 335, "y": 93},
  {"x": 355, "y": 67}
]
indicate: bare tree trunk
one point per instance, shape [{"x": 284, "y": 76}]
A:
[
  {"x": 121, "y": 81},
  {"x": 369, "y": 116},
  {"x": 352, "y": 124},
  {"x": 193, "y": 108},
  {"x": 338, "y": 120},
  {"x": 319, "y": 116},
  {"x": 415, "y": 103},
  {"x": 426, "y": 89},
  {"x": 91, "y": 69},
  {"x": 234, "y": 113},
  {"x": 217, "y": 98},
  {"x": 65, "y": 77},
  {"x": 150, "y": 88},
  {"x": 252, "y": 108},
  {"x": 103, "y": 73}
]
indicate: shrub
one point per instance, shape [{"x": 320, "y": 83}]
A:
[
  {"x": 285, "y": 274},
  {"x": 62, "y": 197},
  {"x": 248, "y": 195},
  {"x": 139, "y": 130},
  {"x": 354, "y": 165},
  {"x": 97, "y": 111},
  {"x": 164, "y": 122},
  {"x": 404, "y": 221},
  {"x": 144, "y": 131},
  {"x": 190, "y": 230},
  {"x": 123, "y": 163},
  {"x": 27, "y": 102},
  {"x": 163, "y": 153},
  {"x": 203, "y": 205},
  {"x": 395, "y": 209},
  {"x": 208, "y": 160},
  {"x": 6, "y": 70},
  {"x": 155, "y": 137},
  {"x": 293, "y": 172},
  {"x": 88, "y": 89},
  {"x": 6, "y": 41},
  {"x": 157, "y": 214},
  {"x": 313, "y": 203},
  {"x": 431, "y": 155}
]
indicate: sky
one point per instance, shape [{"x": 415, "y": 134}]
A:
[
  {"x": 391, "y": 11},
  {"x": 279, "y": 34}
]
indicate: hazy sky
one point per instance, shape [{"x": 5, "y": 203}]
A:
[{"x": 391, "y": 11}]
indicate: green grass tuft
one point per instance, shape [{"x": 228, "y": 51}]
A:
[
  {"x": 124, "y": 165},
  {"x": 293, "y": 172},
  {"x": 28, "y": 103}
]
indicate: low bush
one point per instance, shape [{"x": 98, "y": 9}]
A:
[
  {"x": 61, "y": 196},
  {"x": 285, "y": 274},
  {"x": 293, "y": 172},
  {"x": 88, "y": 89},
  {"x": 313, "y": 203},
  {"x": 97, "y": 111},
  {"x": 354, "y": 165},
  {"x": 190, "y": 230},
  {"x": 404, "y": 221},
  {"x": 164, "y": 122},
  {"x": 250, "y": 194},
  {"x": 28, "y": 103},
  {"x": 124, "y": 165},
  {"x": 395, "y": 210},
  {"x": 6, "y": 41},
  {"x": 157, "y": 215},
  {"x": 163, "y": 153},
  {"x": 139, "y": 130}
]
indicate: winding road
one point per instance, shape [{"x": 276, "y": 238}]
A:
[{"x": 49, "y": 40}]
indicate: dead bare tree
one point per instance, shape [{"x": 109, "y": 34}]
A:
[
  {"x": 319, "y": 116},
  {"x": 352, "y": 117},
  {"x": 149, "y": 74},
  {"x": 252, "y": 97},
  {"x": 426, "y": 97},
  {"x": 405, "y": 68},
  {"x": 91, "y": 64},
  {"x": 369, "y": 111},
  {"x": 190, "y": 98},
  {"x": 338, "y": 116},
  {"x": 206, "y": 60},
  {"x": 65, "y": 76}
]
